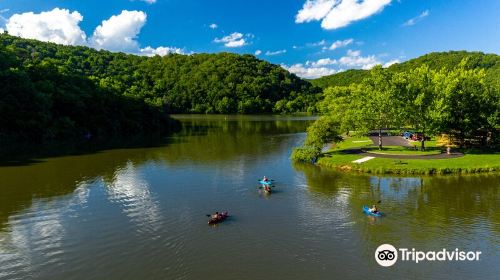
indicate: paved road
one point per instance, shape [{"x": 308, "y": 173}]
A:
[
  {"x": 439, "y": 156},
  {"x": 391, "y": 141}
]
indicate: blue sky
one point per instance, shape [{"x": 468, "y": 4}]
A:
[{"x": 308, "y": 37}]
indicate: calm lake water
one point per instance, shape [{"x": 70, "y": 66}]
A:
[{"x": 140, "y": 213}]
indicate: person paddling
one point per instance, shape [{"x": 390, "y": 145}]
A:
[
  {"x": 374, "y": 209},
  {"x": 216, "y": 215},
  {"x": 265, "y": 179}
]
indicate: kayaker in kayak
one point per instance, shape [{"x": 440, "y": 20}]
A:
[
  {"x": 216, "y": 215},
  {"x": 374, "y": 209},
  {"x": 265, "y": 179}
]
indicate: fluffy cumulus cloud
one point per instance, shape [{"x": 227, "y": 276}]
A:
[
  {"x": 161, "y": 51},
  {"x": 309, "y": 72},
  {"x": 119, "y": 32},
  {"x": 314, "y": 10},
  {"x": 258, "y": 52},
  {"x": 327, "y": 66},
  {"x": 271, "y": 53},
  {"x": 58, "y": 26},
  {"x": 391, "y": 62},
  {"x": 338, "y": 13},
  {"x": 234, "y": 40},
  {"x": 213, "y": 26},
  {"x": 416, "y": 19},
  {"x": 353, "y": 59},
  {"x": 339, "y": 44},
  {"x": 322, "y": 62}
]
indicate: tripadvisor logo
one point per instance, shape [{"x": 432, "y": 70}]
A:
[{"x": 387, "y": 255}]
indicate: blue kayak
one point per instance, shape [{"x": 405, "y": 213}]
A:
[
  {"x": 269, "y": 183},
  {"x": 367, "y": 211}
]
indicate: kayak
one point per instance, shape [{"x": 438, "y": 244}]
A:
[
  {"x": 269, "y": 183},
  {"x": 367, "y": 211},
  {"x": 267, "y": 190},
  {"x": 222, "y": 217}
]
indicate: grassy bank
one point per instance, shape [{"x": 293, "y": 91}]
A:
[{"x": 339, "y": 158}]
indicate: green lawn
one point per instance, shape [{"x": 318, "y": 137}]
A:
[
  {"x": 470, "y": 163},
  {"x": 353, "y": 142},
  {"x": 473, "y": 162}
]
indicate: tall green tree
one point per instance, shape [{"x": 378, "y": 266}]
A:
[
  {"x": 376, "y": 103},
  {"x": 465, "y": 104},
  {"x": 418, "y": 89}
]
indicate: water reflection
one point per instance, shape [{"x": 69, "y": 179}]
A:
[{"x": 130, "y": 190}]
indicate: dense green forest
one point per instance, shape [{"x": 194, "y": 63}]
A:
[
  {"x": 52, "y": 91},
  {"x": 436, "y": 61},
  {"x": 41, "y": 100},
  {"x": 198, "y": 83}
]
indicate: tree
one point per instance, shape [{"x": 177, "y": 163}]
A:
[
  {"x": 465, "y": 103},
  {"x": 323, "y": 131},
  {"x": 418, "y": 90},
  {"x": 375, "y": 105}
]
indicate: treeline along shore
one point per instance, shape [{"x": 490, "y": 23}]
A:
[{"x": 52, "y": 91}]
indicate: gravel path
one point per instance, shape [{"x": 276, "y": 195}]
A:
[{"x": 440, "y": 156}]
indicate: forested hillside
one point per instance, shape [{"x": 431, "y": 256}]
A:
[
  {"x": 198, "y": 83},
  {"x": 52, "y": 91},
  {"x": 435, "y": 61},
  {"x": 43, "y": 100}
]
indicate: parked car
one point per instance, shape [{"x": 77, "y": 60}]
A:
[
  {"x": 418, "y": 136},
  {"x": 407, "y": 134}
]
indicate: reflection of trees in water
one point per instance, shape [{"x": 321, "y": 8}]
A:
[
  {"x": 213, "y": 141},
  {"x": 58, "y": 176},
  {"x": 329, "y": 182},
  {"x": 222, "y": 140},
  {"x": 461, "y": 206}
]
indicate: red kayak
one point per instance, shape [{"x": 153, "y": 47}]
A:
[{"x": 222, "y": 217}]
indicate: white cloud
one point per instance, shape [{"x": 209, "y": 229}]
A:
[
  {"x": 149, "y": 1},
  {"x": 353, "y": 59},
  {"x": 390, "y": 62},
  {"x": 338, "y": 13},
  {"x": 322, "y": 62},
  {"x": 339, "y": 44},
  {"x": 213, "y": 26},
  {"x": 234, "y": 40},
  {"x": 119, "y": 32},
  {"x": 317, "y": 44},
  {"x": 416, "y": 19},
  {"x": 314, "y": 10},
  {"x": 161, "y": 51},
  {"x": 270, "y": 53},
  {"x": 327, "y": 66},
  {"x": 258, "y": 52},
  {"x": 309, "y": 72},
  {"x": 58, "y": 26}
]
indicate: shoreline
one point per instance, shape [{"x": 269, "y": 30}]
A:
[{"x": 468, "y": 164}]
